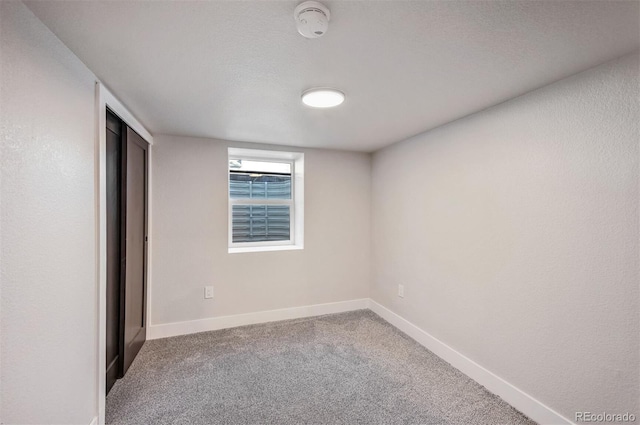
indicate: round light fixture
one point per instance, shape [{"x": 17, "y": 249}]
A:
[{"x": 322, "y": 97}]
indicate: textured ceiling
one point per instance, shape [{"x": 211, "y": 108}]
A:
[{"x": 235, "y": 69}]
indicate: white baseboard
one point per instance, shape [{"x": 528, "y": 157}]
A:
[
  {"x": 223, "y": 322},
  {"x": 94, "y": 421},
  {"x": 512, "y": 395}
]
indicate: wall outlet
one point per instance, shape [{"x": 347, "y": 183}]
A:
[
  {"x": 401, "y": 291},
  {"x": 208, "y": 292}
]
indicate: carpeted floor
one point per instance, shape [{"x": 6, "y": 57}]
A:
[{"x": 350, "y": 368}]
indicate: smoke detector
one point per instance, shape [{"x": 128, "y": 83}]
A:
[{"x": 312, "y": 19}]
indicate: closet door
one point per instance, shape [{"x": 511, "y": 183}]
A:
[
  {"x": 114, "y": 187},
  {"x": 134, "y": 245}
]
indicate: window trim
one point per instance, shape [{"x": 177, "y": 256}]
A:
[{"x": 295, "y": 203}]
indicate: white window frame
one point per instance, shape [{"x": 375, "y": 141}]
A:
[{"x": 295, "y": 203}]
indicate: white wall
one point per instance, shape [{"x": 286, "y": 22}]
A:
[
  {"x": 48, "y": 308},
  {"x": 515, "y": 233},
  {"x": 190, "y": 235}
]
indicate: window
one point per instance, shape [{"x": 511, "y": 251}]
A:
[{"x": 265, "y": 200}]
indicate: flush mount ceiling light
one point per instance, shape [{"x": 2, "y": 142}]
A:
[{"x": 322, "y": 97}]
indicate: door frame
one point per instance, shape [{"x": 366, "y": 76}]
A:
[{"x": 104, "y": 98}]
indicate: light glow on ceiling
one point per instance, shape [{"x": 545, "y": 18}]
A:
[{"x": 322, "y": 97}]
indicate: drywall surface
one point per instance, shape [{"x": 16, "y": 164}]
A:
[
  {"x": 190, "y": 235},
  {"x": 406, "y": 66},
  {"x": 47, "y": 246},
  {"x": 515, "y": 234}
]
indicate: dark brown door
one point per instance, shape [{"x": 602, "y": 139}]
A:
[
  {"x": 113, "y": 180},
  {"x": 134, "y": 245}
]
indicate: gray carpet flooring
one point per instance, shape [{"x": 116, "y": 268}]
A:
[{"x": 349, "y": 368}]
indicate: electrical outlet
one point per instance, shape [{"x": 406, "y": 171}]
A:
[
  {"x": 401, "y": 291},
  {"x": 208, "y": 292}
]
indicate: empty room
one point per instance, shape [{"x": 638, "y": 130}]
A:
[{"x": 319, "y": 212}]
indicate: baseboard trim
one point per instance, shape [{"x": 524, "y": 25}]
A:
[
  {"x": 522, "y": 401},
  {"x": 224, "y": 322},
  {"x": 94, "y": 421}
]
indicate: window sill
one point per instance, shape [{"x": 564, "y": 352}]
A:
[{"x": 265, "y": 248}]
